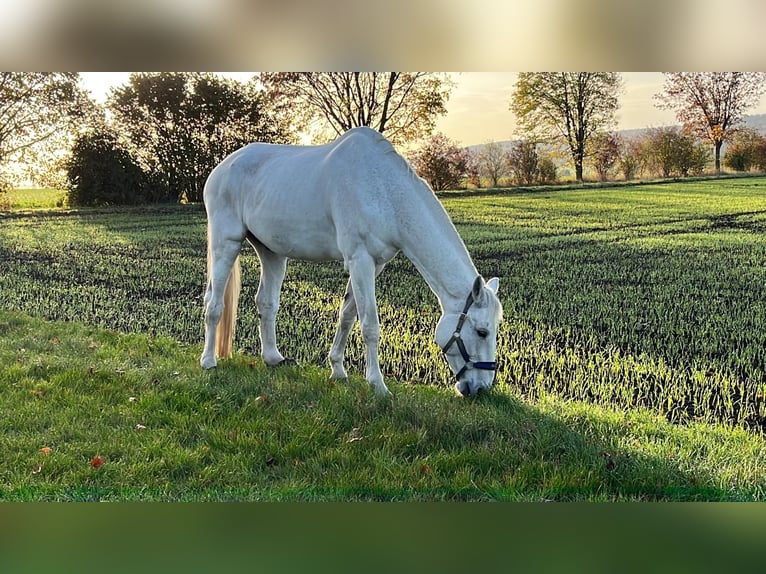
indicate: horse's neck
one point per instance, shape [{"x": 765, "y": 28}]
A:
[{"x": 439, "y": 254}]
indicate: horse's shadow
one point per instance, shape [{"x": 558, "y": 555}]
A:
[{"x": 584, "y": 454}]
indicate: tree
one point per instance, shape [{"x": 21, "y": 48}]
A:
[
  {"x": 493, "y": 162},
  {"x": 566, "y": 107},
  {"x": 523, "y": 162},
  {"x": 100, "y": 172},
  {"x": 33, "y": 108},
  {"x": 605, "y": 148},
  {"x": 179, "y": 126},
  {"x": 441, "y": 162},
  {"x": 711, "y": 104},
  {"x": 402, "y": 105}
]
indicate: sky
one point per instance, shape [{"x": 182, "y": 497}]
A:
[{"x": 478, "y": 109}]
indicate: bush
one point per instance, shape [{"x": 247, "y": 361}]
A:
[
  {"x": 746, "y": 151},
  {"x": 523, "y": 162},
  {"x": 440, "y": 162},
  {"x": 100, "y": 172},
  {"x": 546, "y": 171},
  {"x": 668, "y": 151}
]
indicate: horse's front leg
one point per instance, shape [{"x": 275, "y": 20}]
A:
[
  {"x": 346, "y": 320},
  {"x": 273, "y": 269},
  {"x": 362, "y": 269}
]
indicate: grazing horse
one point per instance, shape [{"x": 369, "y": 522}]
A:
[{"x": 356, "y": 200}]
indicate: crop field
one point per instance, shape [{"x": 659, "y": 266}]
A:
[{"x": 646, "y": 296}]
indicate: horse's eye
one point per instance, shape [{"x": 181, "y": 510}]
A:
[{"x": 482, "y": 333}]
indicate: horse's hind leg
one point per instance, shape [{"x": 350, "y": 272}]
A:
[
  {"x": 346, "y": 320},
  {"x": 223, "y": 255},
  {"x": 273, "y": 269}
]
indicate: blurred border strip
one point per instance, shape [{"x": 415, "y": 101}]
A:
[
  {"x": 379, "y": 537},
  {"x": 480, "y": 35}
]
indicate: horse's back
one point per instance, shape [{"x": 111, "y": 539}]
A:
[{"x": 305, "y": 201}]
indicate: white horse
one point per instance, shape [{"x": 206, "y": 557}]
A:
[{"x": 355, "y": 200}]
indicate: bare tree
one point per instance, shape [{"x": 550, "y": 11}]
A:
[
  {"x": 402, "y": 105},
  {"x": 566, "y": 106},
  {"x": 711, "y": 104},
  {"x": 493, "y": 162}
]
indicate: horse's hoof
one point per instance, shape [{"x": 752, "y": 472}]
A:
[{"x": 207, "y": 365}]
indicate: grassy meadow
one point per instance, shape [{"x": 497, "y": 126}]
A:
[{"x": 631, "y": 360}]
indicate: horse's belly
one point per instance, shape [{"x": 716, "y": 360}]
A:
[{"x": 301, "y": 239}]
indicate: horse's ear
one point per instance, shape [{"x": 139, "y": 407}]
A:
[
  {"x": 493, "y": 284},
  {"x": 479, "y": 297}
]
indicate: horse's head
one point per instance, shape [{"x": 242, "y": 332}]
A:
[{"x": 469, "y": 339}]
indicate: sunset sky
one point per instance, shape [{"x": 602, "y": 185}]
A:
[{"x": 478, "y": 109}]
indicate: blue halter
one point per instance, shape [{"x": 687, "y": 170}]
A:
[{"x": 458, "y": 340}]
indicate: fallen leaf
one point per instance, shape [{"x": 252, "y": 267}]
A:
[
  {"x": 55, "y": 340},
  {"x": 140, "y": 427},
  {"x": 425, "y": 469},
  {"x": 263, "y": 399},
  {"x": 97, "y": 461},
  {"x": 355, "y": 435},
  {"x": 270, "y": 461},
  {"x": 46, "y": 450},
  {"x": 131, "y": 399},
  {"x": 37, "y": 468},
  {"x": 38, "y": 393}
]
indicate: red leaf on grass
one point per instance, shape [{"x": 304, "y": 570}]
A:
[
  {"x": 97, "y": 461},
  {"x": 46, "y": 450}
]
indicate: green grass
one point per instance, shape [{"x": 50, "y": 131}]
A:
[
  {"x": 166, "y": 430},
  {"x": 36, "y": 198},
  {"x": 627, "y": 309},
  {"x": 646, "y": 296}
]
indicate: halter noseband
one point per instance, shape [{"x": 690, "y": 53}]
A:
[{"x": 457, "y": 339}]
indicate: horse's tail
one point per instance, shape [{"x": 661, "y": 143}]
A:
[{"x": 224, "y": 335}]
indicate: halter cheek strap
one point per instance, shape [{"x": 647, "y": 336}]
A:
[{"x": 458, "y": 340}]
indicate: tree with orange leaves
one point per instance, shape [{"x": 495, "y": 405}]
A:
[{"x": 710, "y": 105}]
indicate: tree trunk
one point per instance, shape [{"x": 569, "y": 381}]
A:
[
  {"x": 718, "y": 145},
  {"x": 578, "y": 171}
]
